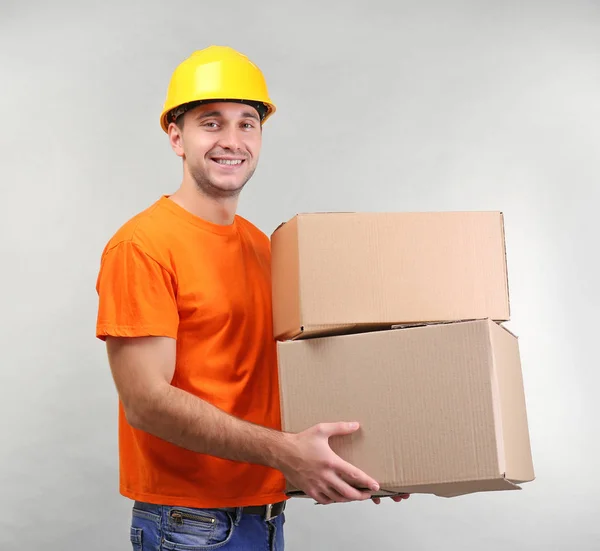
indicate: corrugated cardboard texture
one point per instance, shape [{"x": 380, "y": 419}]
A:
[
  {"x": 425, "y": 399},
  {"x": 337, "y": 270}
]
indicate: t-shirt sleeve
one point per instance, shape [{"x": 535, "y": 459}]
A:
[{"x": 137, "y": 295}]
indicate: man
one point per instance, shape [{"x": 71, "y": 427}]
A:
[{"x": 185, "y": 310}]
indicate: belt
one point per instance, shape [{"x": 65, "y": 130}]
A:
[{"x": 268, "y": 512}]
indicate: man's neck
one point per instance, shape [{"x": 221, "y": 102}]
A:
[{"x": 217, "y": 211}]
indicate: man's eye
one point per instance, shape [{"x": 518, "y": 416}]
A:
[
  {"x": 248, "y": 125},
  {"x": 210, "y": 124}
]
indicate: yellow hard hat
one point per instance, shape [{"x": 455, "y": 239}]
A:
[{"x": 217, "y": 73}]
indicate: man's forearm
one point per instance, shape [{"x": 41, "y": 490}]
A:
[{"x": 189, "y": 422}]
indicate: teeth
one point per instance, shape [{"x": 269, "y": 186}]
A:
[{"x": 229, "y": 161}]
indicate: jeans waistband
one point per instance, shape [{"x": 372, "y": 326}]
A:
[{"x": 267, "y": 511}]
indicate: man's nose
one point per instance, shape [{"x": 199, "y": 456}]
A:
[{"x": 229, "y": 138}]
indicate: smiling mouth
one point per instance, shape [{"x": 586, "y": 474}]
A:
[{"x": 229, "y": 162}]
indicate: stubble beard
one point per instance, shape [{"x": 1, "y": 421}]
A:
[{"x": 205, "y": 185}]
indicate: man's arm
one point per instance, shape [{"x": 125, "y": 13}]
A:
[{"x": 143, "y": 369}]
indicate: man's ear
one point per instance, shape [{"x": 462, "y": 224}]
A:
[{"x": 176, "y": 139}]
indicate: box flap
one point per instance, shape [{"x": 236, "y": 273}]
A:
[
  {"x": 448, "y": 489},
  {"x": 314, "y": 331},
  {"x": 462, "y": 488},
  {"x": 503, "y": 230},
  {"x": 301, "y": 214},
  {"x": 280, "y": 226},
  {"x": 511, "y": 411},
  {"x": 317, "y": 331},
  {"x": 285, "y": 274}
]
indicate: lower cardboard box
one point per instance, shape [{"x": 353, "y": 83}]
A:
[{"x": 442, "y": 407}]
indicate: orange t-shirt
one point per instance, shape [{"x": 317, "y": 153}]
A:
[{"x": 167, "y": 272}]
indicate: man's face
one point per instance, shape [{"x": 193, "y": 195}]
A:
[{"x": 220, "y": 143}]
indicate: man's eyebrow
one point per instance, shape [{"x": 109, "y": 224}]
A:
[
  {"x": 250, "y": 115},
  {"x": 245, "y": 115},
  {"x": 203, "y": 114}
]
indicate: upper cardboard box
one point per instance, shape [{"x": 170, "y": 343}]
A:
[{"x": 337, "y": 273}]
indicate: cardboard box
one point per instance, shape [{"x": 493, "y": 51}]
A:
[
  {"x": 337, "y": 273},
  {"x": 442, "y": 407}
]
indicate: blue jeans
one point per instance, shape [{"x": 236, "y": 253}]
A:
[{"x": 166, "y": 528}]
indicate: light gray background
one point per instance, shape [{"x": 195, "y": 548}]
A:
[{"x": 447, "y": 105}]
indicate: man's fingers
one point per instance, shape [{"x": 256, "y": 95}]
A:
[
  {"x": 347, "y": 491},
  {"x": 355, "y": 477},
  {"x": 322, "y": 499},
  {"x": 397, "y": 498},
  {"x": 336, "y": 495},
  {"x": 336, "y": 429}
]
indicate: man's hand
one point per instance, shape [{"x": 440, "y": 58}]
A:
[
  {"x": 397, "y": 499},
  {"x": 312, "y": 466}
]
